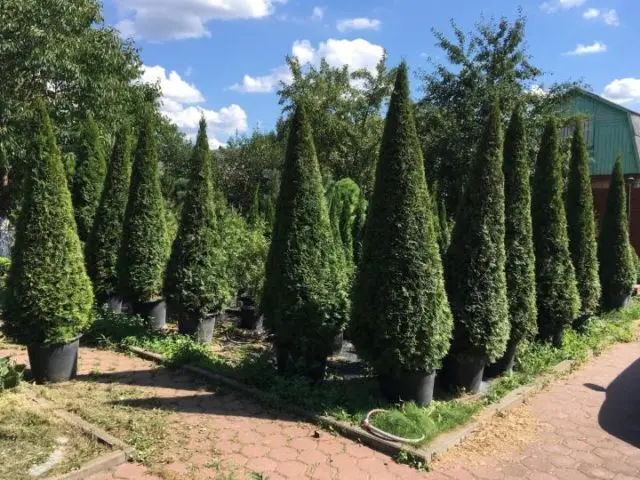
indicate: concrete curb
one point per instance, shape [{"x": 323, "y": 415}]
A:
[{"x": 426, "y": 454}]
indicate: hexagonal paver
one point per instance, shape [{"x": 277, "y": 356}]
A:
[
  {"x": 283, "y": 454},
  {"x": 261, "y": 464},
  {"x": 291, "y": 469}
]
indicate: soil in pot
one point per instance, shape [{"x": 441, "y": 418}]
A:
[
  {"x": 408, "y": 386},
  {"x": 200, "y": 327},
  {"x": 462, "y": 373},
  {"x": 250, "y": 319},
  {"x": 155, "y": 311},
  {"x": 504, "y": 366},
  {"x": 54, "y": 363}
]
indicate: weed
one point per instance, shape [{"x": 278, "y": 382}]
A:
[{"x": 10, "y": 374}]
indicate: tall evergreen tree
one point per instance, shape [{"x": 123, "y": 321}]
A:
[
  {"x": 103, "y": 247},
  {"x": 401, "y": 320},
  {"x": 144, "y": 239},
  {"x": 88, "y": 179},
  {"x": 255, "y": 213},
  {"x": 617, "y": 271},
  {"x": 581, "y": 224},
  {"x": 49, "y": 295},
  {"x": 475, "y": 264},
  {"x": 305, "y": 299},
  {"x": 357, "y": 230},
  {"x": 557, "y": 296}
]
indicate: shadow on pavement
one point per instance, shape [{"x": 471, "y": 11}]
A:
[{"x": 620, "y": 412}]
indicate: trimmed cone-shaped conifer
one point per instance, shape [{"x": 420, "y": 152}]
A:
[
  {"x": 518, "y": 240},
  {"x": 557, "y": 298},
  {"x": 617, "y": 269},
  {"x": 103, "y": 247},
  {"x": 144, "y": 238},
  {"x": 88, "y": 180},
  {"x": 305, "y": 300},
  {"x": 475, "y": 264},
  {"x": 401, "y": 320},
  {"x": 583, "y": 243},
  {"x": 195, "y": 282},
  {"x": 49, "y": 295},
  {"x": 357, "y": 230},
  {"x": 255, "y": 215}
]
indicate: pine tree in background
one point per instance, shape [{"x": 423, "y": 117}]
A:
[
  {"x": 103, "y": 246},
  {"x": 401, "y": 321},
  {"x": 581, "y": 224},
  {"x": 144, "y": 239},
  {"x": 305, "y": 299},
  {"x": 557, "y": 298},
  {"x": 617, "y": 270},
  {"x": 88, "y": 179},
  {"x": 475, "y": 263},
  {"x": 255, "y": 214},
  {"x": 49, "y": 295}
]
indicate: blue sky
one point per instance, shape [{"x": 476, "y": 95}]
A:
[{"x": 225, "y": 57}]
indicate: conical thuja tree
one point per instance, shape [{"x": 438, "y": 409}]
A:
[
  {"x": 49, "y": 295},
  {"x": 518, "y": 241},
  {"x": 195, "y": 282},
  {"x": 557, "y": 296},
  {"x": 89, "y": 176},
  {"x": 255, "y": 212},
  {"x": 144, "y": 238},
  {"x": 103, "y": 247},
  {"x": 581, "y": 225},
  {"x": 475, "y": 262},
  {"x": 401, "y": 321},
  {"x": 305, "y": 299},
  {"x": 617, "y": 271}
]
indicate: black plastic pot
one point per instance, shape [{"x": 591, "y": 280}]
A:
[
  {"x": 463, "y": 373},
  {"x": 336, "y": 344},
  {"x": 155, "y": 311},
  {"x": 54, "y": 363},
  {"x": 249, "y": 318},
  {"x": 200, "y": 327},
  {"x": 114, "y": 304},
  {"x": 503, "y": 366},
  {"x": 408, "y": 386}
]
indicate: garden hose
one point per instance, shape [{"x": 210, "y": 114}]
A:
[{"x": 386, "y": 435}]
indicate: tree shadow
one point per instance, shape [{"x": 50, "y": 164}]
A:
[{"x": 620, "y": 412}]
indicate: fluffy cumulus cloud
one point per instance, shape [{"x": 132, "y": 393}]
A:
[
  {"x": 595, "y": 47},
  {"x": 553, "y": 6},
  {"x": 623, "y": 90},
  {"x": 610, "y": 17},
  {"x": 180, "y": 19},
  {"x": 356, "y": 54},
  {"x": 180, "y": 102},
  {"x": 360, "y": 23}
]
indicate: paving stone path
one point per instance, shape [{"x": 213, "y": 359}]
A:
[{"x": 586, "y": 427}]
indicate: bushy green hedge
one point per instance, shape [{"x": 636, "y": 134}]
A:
[
  {"x": 617, "y": 269},
  {"x": 401, "y": 318},
  {"x": 557, "y": 299},
  {"x": 49, "y": 294},
  {"x": 144, "y": 239},
  {"x": 103, "y": 247},
  {"x": 475, "y": 264}
]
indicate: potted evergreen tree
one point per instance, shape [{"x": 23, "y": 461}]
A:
[
  {"x": 195, "y": 282},
  {"x": 143, "y": 252},
  {"x": 401, "y": 321},
  {"x": 49, "y": 295}
]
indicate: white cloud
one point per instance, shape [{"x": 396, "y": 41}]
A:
[
  {"x": 180, "y": 19},
  {"x": 172, "y": 86},
  {"x": 356, "y": 54},
  {"x": 611, "y": 17},
  {"x": 318, "y": 14},
  {"x": 623, "y": 90},
  {"x": 361, "y": 23},
  {"x": 553, "y": 6},
  {"x": 538, "y": 91},
  {"x": 596, "y": 47},
  {"x": 591, "y": 13}
]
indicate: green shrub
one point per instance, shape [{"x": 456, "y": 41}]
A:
[
  {"x": 476, "y": 281},
  {"x": 581, "y": 224},
  {"x": 88, "y": 179},
  {"x": 5, "y": 265},
  {"x": 557, "y": 299},
  {"x": 357, "y": 230},
  {"x": 342, "y": 200},
  {"x": 444, "y": 227},
  {"x": 49, "y": 295},
  {"x": 196, "y": 282},
  {"x": 144, "y": 239},
  {"x": 10, "y": 374},
  {"x": 401, "y": 318},
  {"x": 104, "y": 243},
  {"x": 617, "y": 270}
]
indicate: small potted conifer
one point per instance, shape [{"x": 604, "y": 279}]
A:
[{"x": 49, "y": 294}]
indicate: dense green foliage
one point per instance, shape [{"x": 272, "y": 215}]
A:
[
  {"x": 401, "y": 318},
  {"x": 581, "y": 224},
  {"x": 144, "y": 238},
  {"x": 305, "y": 299},
  {"x": 518, "y": 240},
  {"x": 475, "y": 272},
  {"x": 357, "y": 230},
  {"x": 88, "y": 180},
  {"x": 49, "y": 294},
  {"x": 558, "y": 301},
  {"x": 103, "y": 247},
  {"x": 342, "y": 200},
  {"x": 617, "y": 269}
]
